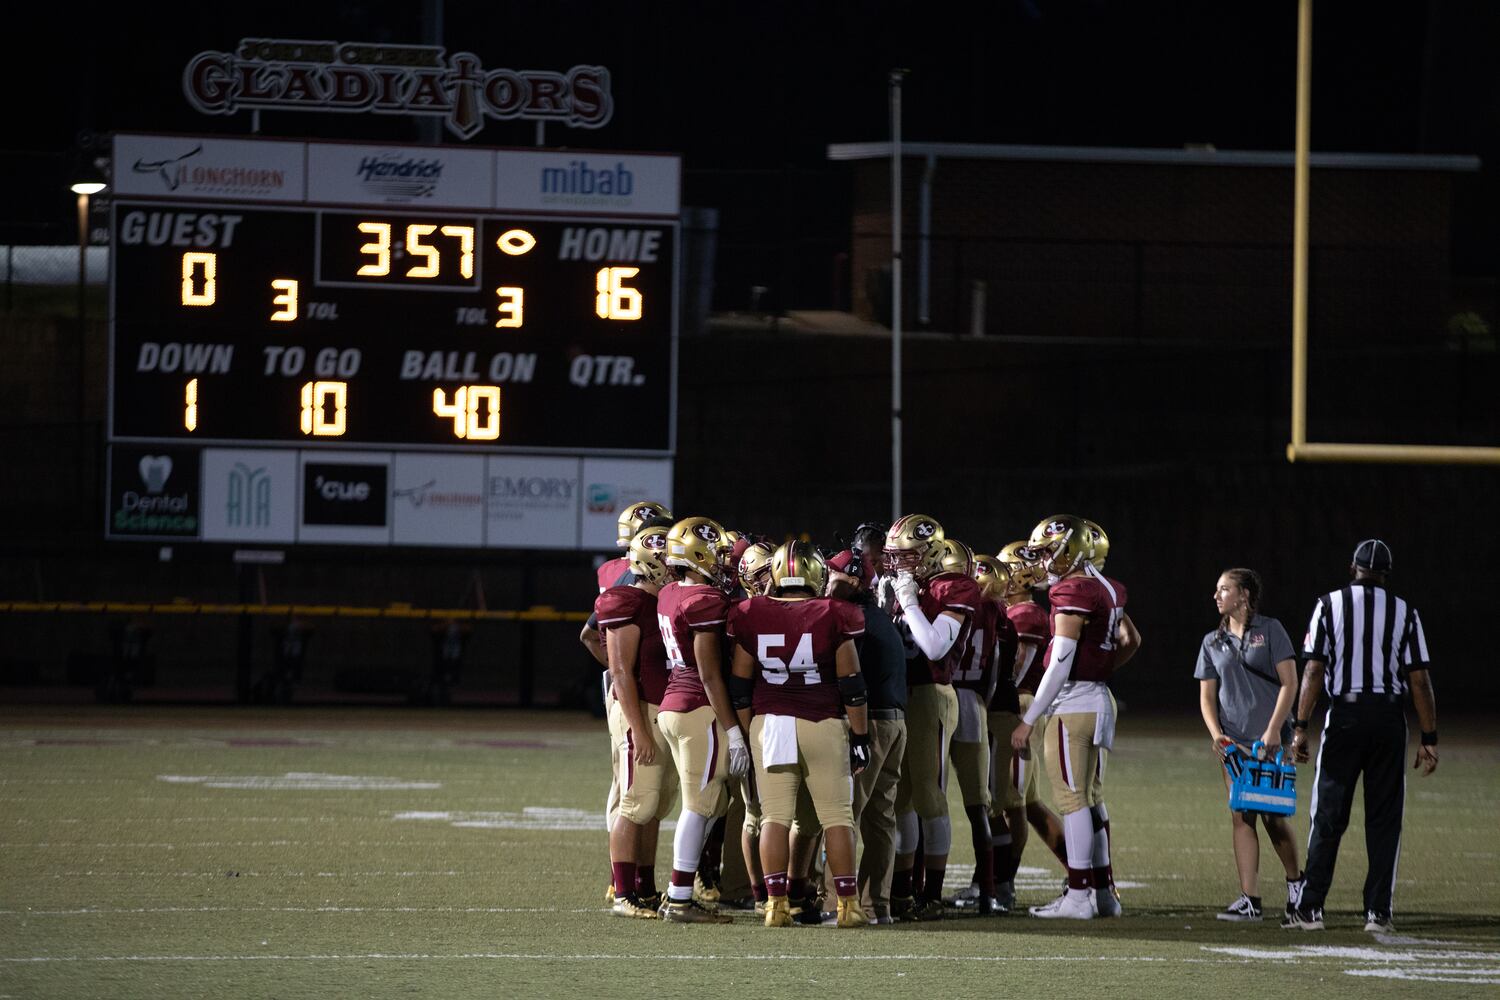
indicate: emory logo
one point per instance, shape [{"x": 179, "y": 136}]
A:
[
  {"x": 362, "y": 77},
  {"x": 155, "y": 470}
]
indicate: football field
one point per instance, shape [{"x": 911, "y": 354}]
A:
[{"x": 181, "y": 851}]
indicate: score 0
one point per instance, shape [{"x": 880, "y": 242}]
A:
[{"x": 200, "y": 286}]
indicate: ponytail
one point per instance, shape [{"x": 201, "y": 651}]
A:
[{"x": 1249, "y": 581}]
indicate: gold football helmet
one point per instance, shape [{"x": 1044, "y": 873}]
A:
[
  {"x": 798, "y": 564},
  {"x": 1062, "y": 543},
  {"x": 701, "y": 544},
  {"x": 637, "y": 516},
  {"x": 992, "y": 576},
  {"x": 1099, "y": 545},
  {"x": 755, "y": 569},
  {"x": 957, "y": 557},
  {"x": 915, "y": 544},
  {"x": 648, "y": 555},
  {"x": 1020, "y": 562}
]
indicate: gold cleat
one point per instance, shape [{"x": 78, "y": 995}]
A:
[
  {"x": 629, "y": 906},
  {"x": 851, "y": 914},
  {"x": 609, "y": 894},
  {"x": 704, "y": 892},
  {"x": 778, "y": 912},
  {"x": 692, "y": 912}
]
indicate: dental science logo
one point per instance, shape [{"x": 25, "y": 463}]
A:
[{"x": 153, "y": 493}]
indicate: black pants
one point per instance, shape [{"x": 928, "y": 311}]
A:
[{"x": 1368, "y": 738}]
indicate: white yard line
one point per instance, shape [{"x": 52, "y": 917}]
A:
[{"x": 543, "y": 957}]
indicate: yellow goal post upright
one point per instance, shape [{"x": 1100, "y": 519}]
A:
[{"x": 1300, "y": 449}]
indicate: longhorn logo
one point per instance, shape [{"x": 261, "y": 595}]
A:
[{"x": 169, "y": 178}]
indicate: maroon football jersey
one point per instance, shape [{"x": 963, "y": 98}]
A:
[
  {"x": 1033, "y": 628},
  {"x": 795, "y": 645},
  {"x": 977, "y": 660},
  {"x": 621, "y": 606},
  {"x": 1101, "y": 602},
  {"x": 1003, "y": 653},
  {"x": 946, "y": 592},
  {"x": 682, "y": 610},
  {"x": 611, "y": 571}
]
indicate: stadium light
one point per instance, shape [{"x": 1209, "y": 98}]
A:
[{"x": 87, "y": 188}]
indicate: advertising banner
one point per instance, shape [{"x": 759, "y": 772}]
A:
[
  {"x": 153, "y": 492},
  {"x": 611, "y": 484},
  {"x": 531, "y": 503},
  {"x": 249, "y": 495},
  {"x": 433, "y": 176},
  {"x": 346, "y": 498},
  {"x": 437, "y": 499},
  {"x": 588, "y": 182},
  {"x": 194, "y": 167}
]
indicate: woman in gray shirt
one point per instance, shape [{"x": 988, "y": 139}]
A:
[{"x": 1247, "y": 674}]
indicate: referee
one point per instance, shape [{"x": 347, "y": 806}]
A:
[{"x": 1367, "y": 647}]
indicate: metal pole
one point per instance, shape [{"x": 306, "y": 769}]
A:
[
  {"x": 83, "y": 277},
  {"x": 896, "y": 76},
  {"x": 1299, "y": 229},
  {"x": 924, "y": 245}
]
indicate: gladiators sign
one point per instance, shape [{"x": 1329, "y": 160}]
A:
[{"x": 354, "y": 77}]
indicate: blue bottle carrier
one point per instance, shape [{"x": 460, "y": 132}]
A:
[{"x": 1261, "y": 785}]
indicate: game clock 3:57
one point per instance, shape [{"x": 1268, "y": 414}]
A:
[{"x": 311, "y": 326}]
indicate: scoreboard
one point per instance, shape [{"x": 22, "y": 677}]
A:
[{"x": 393, "y": 304}]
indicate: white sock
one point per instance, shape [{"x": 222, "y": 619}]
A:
[
  {"x": 937, "y": 835},
  {"x": 687, "y": 847},
  {"x": 1078, "y": 836}
]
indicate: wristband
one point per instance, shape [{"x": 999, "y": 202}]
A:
[
  {"x": 1429, "y": 739},
  {"x": 1299, "y": 723}
]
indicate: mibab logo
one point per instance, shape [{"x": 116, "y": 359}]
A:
[{"x": 580, "y": 180}]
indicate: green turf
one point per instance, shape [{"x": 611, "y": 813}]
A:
[{"x": 118, "y": 883}]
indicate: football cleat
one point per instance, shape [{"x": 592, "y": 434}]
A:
[
  {"x": 806, "y": 911},
  {"x": 638, "y": 515},
  {"x": 760, "y": 907},
  {"x": 609, "y": 894},
  {"x": 690, "y": 911},
  {"x": 653, "y": 901},
  {"x": 989, "y": 906},
  {"x": 850, "y": 913},
  {"x": 1303, "y": 918},
  {"x": 1242, "y": 910},
  {"x": 901, "y": 907},
  {"x": 797, "y": 564},
  {"x": 914, "y": 545},
  {"x": 630, "y": 906},
  {"x": 705, "y": 890},
  {"x": 968, "y": 892},
  {"x": 1379, "y": 923},
  {"x": 1107, "y": 902},
  {"x": 1005, "y": 895},
  {"x": 927, "y": 909},
  {"x": 778, "y": 912},
  {"x": 1062, "y": 543},
  {"x": 648, "y": 555},
  {"x": 1294, "y": 887},
  {"x": 1068, "y": 906}
]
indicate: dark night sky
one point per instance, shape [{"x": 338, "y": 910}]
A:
[{"x": 772, "y": 83}]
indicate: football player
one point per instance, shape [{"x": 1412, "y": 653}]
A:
[
  {"x": 935, "y": 611},
  {"x": 754, "y": 571},
  {"x": 796, "y": 671},
  {"x": 632, "y": 519},
  {"x": 1016, "y": 774},
  {"x": 997, "y": 653},
  {"x": 1091, "y": 636},
  {"x": 638, "y": 674},
  {"x": 705, "y": 737},
  {"x": 974, "y": 683}
]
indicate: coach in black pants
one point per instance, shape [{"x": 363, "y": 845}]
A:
[{"x": 1367, "y": 647}]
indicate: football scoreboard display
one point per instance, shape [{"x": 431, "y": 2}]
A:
[{"x": 339, "y": 305}]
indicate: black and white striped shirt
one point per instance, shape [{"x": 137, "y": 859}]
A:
[{"x": 1369, "y": 638}]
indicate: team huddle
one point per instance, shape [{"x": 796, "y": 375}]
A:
[{"x": 831, "y": 695}]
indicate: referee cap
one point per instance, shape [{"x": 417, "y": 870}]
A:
[{"x": 1373, "y": 554}]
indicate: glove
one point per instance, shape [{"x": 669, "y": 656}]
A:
[
  {"x": 906, "y": 589},
  {"x": 739, "y": 753},
  {"x": 859, "y": 752}
]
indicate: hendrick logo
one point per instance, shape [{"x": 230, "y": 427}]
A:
[
  {"x": 400, "y": 178},
  {"x": 248, "y": 504},
  {"x": 368, "y": 78}
]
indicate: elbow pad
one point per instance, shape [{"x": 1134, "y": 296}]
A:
[
  {"x": 853, "y": 691},
  {"x": 933, "y": 638},
  {"x": 1059, "y": 667},
  {"x": 741, "y": 691}
]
